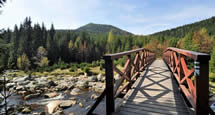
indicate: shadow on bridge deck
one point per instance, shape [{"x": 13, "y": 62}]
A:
[{"x": 156, "y": 92}]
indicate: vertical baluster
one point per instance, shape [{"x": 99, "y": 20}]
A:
[{"x": 128, "y": 73}]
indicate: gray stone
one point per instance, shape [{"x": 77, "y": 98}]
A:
[
  {"x": 30, "y": 96},
  {"x": 26, "y": 110},
  {"x": 61, "y": 87},
  {"x": 116, "y": 77},
  {"x": 21, "y": 79},
  {"x": 80, "y": 105},
  {"x": 19, "y": 88},
  {"x": 82, "y": 84},
  {"x": 52, "y": 83},
  {"x": 76, "y": 91},
  {"x": 67, "y": 104},
  {"x": 10, "y": 85},
  {"x": 91, "y": 84},
  {"x": 52, "y": 106},
  {"x": 94, "y": 96},
  {"x": 99, "y": 77},
  {"x": 23, "y": 82},
  {"x": 99, "y": 87},
  {"x": 50, "y": 95},
  {"x": 92, "y": 78}
]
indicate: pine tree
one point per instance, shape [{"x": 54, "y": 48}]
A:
[{"x": 212, "y": 61}]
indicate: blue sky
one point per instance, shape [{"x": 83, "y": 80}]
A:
[{"x": 136, "y": 16}]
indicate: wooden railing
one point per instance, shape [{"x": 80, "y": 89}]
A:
[
  {"x": 136, "y": 61},
  {"x": 191, "y": 72}
]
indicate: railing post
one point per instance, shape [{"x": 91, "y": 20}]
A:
[
  {"x": 109, "y": 86},
  {"x": 202, "y": 87}
]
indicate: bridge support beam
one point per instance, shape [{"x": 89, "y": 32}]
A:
[
  {"x": 202, "y": 88},
  {"x": 109, "y": 87}
]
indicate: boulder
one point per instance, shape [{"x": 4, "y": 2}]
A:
[
  {"x": 80, "y": 105},
  {"x": 76, "y": 91},
  {"x": 22, "y": 79},
  {"x": 116, "y": 77},
  {"x": 61, "y": 88},
  {"x": 23, "y": 82},
  {"x": 19, "y": 88},
  {"x": 10, "y": 85},
  {"x": 82, "y": 84},
  {"x": 88, "y": 107},
  {"x": 99, "y": 77},
  {"x": 52, "y": 83},
  {"x": 72, "y": 113},
  {"x": 94, "y": 96},
  {"x": 50, "y": 95},
  {"x": 99, "y": 87},
  {"x": 92, "y": 78},
  {"x": 67, "y": 104},
  {"x": 26, "y": 110},
  {"x": 23, "y": 93},
  {"x": 91, "y": 84},
  {"x": 30, "y": 96},
  {"x": 52, "y": 106}
]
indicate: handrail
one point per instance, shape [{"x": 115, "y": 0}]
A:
[
  {"x": 192, "y": 54},
  {"x": 194, "y": 82},
  {"x": 130, "y": 73}
]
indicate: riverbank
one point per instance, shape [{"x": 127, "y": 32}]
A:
[{"x": 54, "y": 94}]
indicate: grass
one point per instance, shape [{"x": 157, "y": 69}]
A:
[
  {"x": 66, "y": 72},
  {"x": 96, "y": 70}
]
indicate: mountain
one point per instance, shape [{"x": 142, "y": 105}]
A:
[
  {"x": 181, "y": 31},
  {"x": 102, "y": 28}
]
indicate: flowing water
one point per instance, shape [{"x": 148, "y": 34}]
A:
[{"x": 39, "y": 103}]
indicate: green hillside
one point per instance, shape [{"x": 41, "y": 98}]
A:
[
  {"x": 180, "y": 32},
  {"x": 102, "y": 28}
]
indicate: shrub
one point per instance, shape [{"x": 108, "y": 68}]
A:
[
  {"x": 94, "y": 64},
  {"x": 73, "y": 69}
]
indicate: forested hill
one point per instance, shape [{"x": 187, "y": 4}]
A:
[
  {"x": 180, "y": 32},
  {"x": 102, "y": 28}
]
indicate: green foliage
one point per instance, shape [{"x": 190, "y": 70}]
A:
[
  {"x": 212, "y": 61},
  {"x": 120, "y": 61},
  {"x": 73, "y": 69},
  {"x": 86, "y": 69},
  {"x": 62, "y": 65},
  {"x": 188, "y": 41},
  {"x": 102, "y": 28}
]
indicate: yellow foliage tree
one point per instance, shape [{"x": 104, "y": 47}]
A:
[
  {"x": 44, "y": 62},
  {"x": 23, "y": 62}
]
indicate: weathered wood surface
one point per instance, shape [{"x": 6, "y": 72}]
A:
[{"x": 155, "y": 93}]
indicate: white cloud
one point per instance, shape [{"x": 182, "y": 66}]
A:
[{"x": 137, "y": 17}]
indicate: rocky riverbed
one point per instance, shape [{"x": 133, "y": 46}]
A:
[{"x": 59, "y": 95}]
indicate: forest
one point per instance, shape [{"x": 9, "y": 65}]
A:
[{"x": 32, "y": 47}]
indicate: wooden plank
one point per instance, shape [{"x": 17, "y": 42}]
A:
[
  {"x": 158, "y": 109},
  {"x": 137, "y": 109},
  {"x": 163, "y": 104}
]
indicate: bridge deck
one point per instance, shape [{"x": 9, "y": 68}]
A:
[{"x": 156, "y": 93}]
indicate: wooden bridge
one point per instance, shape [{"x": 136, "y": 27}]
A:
[{"x": 178, "y": 84}]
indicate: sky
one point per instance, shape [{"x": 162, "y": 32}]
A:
[{"x": 140, "y": 17}]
